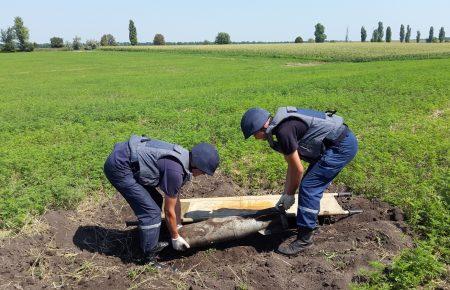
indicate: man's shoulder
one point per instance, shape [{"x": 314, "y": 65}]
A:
[
  {"x": 289, "y": 125},
  {"x": 170, "y": 163}
]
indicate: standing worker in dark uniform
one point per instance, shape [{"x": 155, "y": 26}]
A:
[
  {"x": 321, "y": 139},
  {"x": 136, "y": 167}
]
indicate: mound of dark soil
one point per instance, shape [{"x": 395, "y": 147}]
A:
[{"x": 91, "y": 248}]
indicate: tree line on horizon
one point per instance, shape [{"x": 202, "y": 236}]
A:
[
  {"x": 378, "y": 34},
  {"x": 16, "y": 38}
]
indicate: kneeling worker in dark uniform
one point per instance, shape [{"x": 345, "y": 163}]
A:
[
  {"x": 321, "y": 139},
  {"x": 136, "y": 167}
]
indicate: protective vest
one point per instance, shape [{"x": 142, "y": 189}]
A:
[
  {"x": 148, "y": 151},
  {"x": 321, "y": 126}
]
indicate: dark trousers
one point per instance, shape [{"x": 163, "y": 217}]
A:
[
  {"x": 319, "y": 176},
  {"x": 146, "y": 202}
]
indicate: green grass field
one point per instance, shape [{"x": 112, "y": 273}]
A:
[{"x": 61, "y": 113}]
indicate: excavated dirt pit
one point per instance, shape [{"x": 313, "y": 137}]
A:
[{"x": 91, "y": 248}]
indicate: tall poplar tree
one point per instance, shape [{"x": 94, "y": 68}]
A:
[
  {"x": 408, "y": 34},
  {"x": 402, "y": 33},
  {"x": 363, "y": 34},
  {"x": 388, "y": 34},
  {"x": 132, "y": 33},
  {"x": 430, "y": 35},
  {"x": 380, "y": 32}
]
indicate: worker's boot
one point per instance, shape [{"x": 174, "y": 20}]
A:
[
  {"x": 150, "y": 256},
  {"x": 304, "y": 240}
]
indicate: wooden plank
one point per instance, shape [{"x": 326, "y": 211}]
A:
[{"x": 196, "y": 209}]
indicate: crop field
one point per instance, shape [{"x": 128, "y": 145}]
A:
[
  {"x": 355, "y": 52},
  {"x": 62, "y": 112}
]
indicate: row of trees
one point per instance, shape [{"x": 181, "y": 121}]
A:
[
  {"x": 378, "y": 34},
  {"x": 221, "y": 38},
  {"x": 105, "y": 40},
  {"x": 16, "y": 37}
]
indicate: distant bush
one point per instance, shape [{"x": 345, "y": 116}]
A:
[
  {"x": 68, "y": 45},
  {"x": 298, "y": 39},
  {"x": 319, "y": 33},
  {"x": 56, "y": 42},
  {"x": 76, "y": 43},
  {"x": 223, "y": 38},
  {"x": 7, "y": 38},
  {"x": 311, "y": 40},
  {"x": 91, "y": 44},
  {"x": 159, "y": 39},
  {"x": 108, "y": 40}
]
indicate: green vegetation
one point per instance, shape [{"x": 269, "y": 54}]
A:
[
  {"x": 76, "y": 43},
  {"x": 408, "y": 34},
  {"x": 16, "y": 38},
  {"x": 319, "y": 33},
  {"x": 56, "y": 42},
  {"x": 22, "y": 34},
  {"x": 62, "y": 112},
  {"x": 412, "y": 268},
  {"x": 430, "y": 35},
  {"x": 388, "y": 34},
  {"x": 363, "y": 34},
  {"x": 298, "y": 39},
  {"x": 107, "y": 40},
  {"x": 402, "y": 33},
  {"x": 380, "y": 32},
  {"x": 441, "y": 34},
  {"x": 8, "y": 40},
  {"x": 159, "y": 39},
  {"x": 223, "y": 38},
  {"x": 132, "y": 33}
]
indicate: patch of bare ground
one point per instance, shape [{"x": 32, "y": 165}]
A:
[
  {"x": 304, "y": 64},
  {"x": 90, "y": 248}
]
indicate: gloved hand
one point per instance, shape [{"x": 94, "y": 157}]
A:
[
  {"x": 286, "y": 200},
  {"x": 180, "y": 244}
]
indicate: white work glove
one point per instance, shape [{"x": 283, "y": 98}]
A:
[
  {"x": 180, "y": 244},
  {"x": 286, "y": 200}
]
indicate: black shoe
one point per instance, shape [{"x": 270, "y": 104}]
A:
[
  {"x": 304, "y": 240},
  {"x": 150, "y": 257}
]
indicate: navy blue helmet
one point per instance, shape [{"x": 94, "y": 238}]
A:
[
  {"x": 253, "y": 120},
  {"x": 205, "y": 157}
]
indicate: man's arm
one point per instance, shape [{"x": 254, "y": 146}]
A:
[
  {"x": 171, "y": 216},
  {"x": 294, "y": 172},
  {"x": 178, "y": 211}
]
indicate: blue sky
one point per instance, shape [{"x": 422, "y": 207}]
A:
[{"x": 197, "y": 20}]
